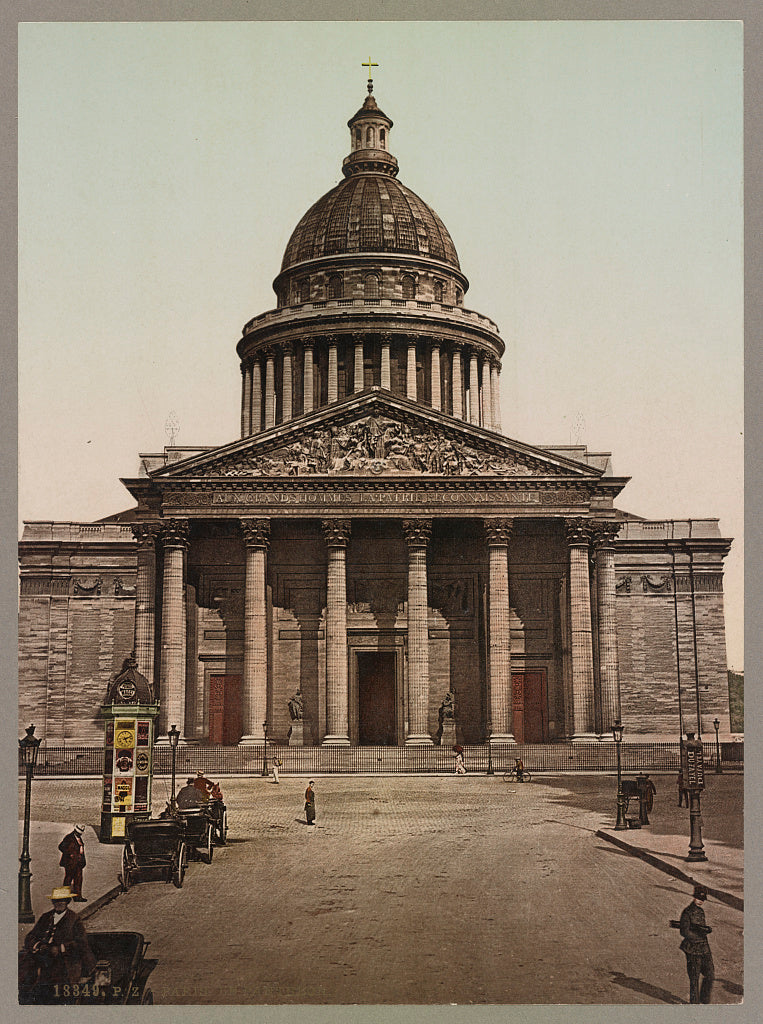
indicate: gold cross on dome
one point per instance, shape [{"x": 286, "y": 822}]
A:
[{"x": 369, "y": 64}]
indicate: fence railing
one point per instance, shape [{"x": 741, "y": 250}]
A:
[{"x": 248, "y": 760}]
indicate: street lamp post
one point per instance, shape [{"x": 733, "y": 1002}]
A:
[
  {"x": 620, "y": 824},
  {"x": 174, "y": 737},
  {"x": 718, "y": 765},
  {"x": 265, "y": 750},
  {"x": 28, "y": 747}
]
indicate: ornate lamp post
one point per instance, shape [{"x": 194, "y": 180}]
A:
[
  {"x": 718, "y": 765},
  {"x": 620, "y": 824},
  {"x": 265, "y": 750},
  {"x": 174, "y": 737},
  {"x": 28, "y": 747}
]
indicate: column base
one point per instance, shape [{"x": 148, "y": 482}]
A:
[
  {"x": 163, "y": 741},
  {"x": 251, "y": 741},
  {"x": 585, "y": 737},
  {"x": 500, "y": 738},
  {"x": 335, "y": 741},
  {"x": 419, "y": 740}
]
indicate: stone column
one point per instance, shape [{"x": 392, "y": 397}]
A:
[
  {"x": 495, "y": 391},
  {"x": 584, "y": 712},
  {"x": 270, "y": 390},
  {"x": 246, "y": 399},
  {"x": 145, "y": 589},
  {"x": 333, "y": 384},
  {"x": 609, "y": 668},
  {"x": 286, "y": 384},
  {"x": 308, "y": 380},
  {"x": 337, "y": 534},
  {"x": 435, "y": 376},
  {"x": 487, "y": 396},
  {"x": 174, "y": 539},
  {"x": 255, "y": 682},
  {"x": 358, "y": 371},
  {"x": 417, "y": 534},
  {"x": 474, "y": 389},
  {"x": 457, "y": 382},
  {"x": 256, "y": 421},
  {"x": 386, "y": 378},
  {"x": 410, "y": 378},
  {"x": 498, "y": 532}
]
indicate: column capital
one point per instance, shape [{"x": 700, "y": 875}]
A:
[
  {"x": 256, "y": 532},
  {"x": 458, "y": 346},
  {"x": 145, "y": 534},
  {"x": 604, "y": 534},
  {"x": 498, "y": 531},
  {"x": 417, "y": 532},
  {"x": 578, "y": 532},
  {"x": 174, "y": 533},
  {"x": 287, "y": 347},
  {"x": 332, "y": 339},
  {"x": 308, "y": 342},
  {"x": 435, "y": 342},
  {"x": 386, "y": 338},
  {"x": 336, "y": 532},
  {"x": 358, "y": 337}
]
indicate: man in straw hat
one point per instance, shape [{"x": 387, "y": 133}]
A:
[
  {"x": 73, "y": 861},
  {"x": 56, "y": 953},
  {"x": 699, "y": 959}
]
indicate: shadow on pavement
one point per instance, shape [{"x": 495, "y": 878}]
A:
[{"x": 637, "y": 985}]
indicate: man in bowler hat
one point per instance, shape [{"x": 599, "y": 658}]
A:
[
  {"x": 699, "y": 959},
  {"x": 73, "y": 861}
]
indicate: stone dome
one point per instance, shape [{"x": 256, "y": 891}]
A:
[{"x": 370, "y": 212}]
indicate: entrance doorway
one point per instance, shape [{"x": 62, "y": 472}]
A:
[
  {"x": 376, "y": 698},
  {"x": 226, "y": 720},
  {"x": 530, "y": 706}
]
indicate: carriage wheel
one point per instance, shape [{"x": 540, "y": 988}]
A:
[
  {"x": 224, "y": 828},
  {"x": 147, "y": 998},
  {"x": 125, "y": 869},
  {"x": 179, "y": 867},
  {"x": 208, "y": 847}
]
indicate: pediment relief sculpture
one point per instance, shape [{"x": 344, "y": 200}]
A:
[{"x": 375, "y": 445}]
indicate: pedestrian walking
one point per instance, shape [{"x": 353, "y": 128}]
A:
[
  {"x": 699, "y": 959},
  {"x": 310, "y": 803},
  {"x": 460, "y": 766},
  {"x": 683, "y": 792},
  {"x": 277, "y": 762},
  {"x": 73, "y": 861},
  {"x": 56, "y": 954}
]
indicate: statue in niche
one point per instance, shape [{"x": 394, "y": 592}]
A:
[
  {"x": 447, "y": 716},
  {"x": 296, "y": 707},
  {"x": 446, "y": 708}
]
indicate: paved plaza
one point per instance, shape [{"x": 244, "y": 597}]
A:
[{"x": 423, "y": 890}]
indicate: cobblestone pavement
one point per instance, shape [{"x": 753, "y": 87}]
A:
[{"x": 416, "y": 891}]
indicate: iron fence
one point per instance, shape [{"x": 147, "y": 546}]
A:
[{"x": 248, "y": 760}]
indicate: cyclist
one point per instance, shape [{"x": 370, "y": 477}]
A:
[{"x": 520, "y": 769}]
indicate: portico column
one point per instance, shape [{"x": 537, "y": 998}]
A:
[
  {"x": 256, "y": 420},
  {"x": 333, "y": 382},
  {"x": 246, "y": 399},
  {"x": 270, "y": 390},
  {"x": 386, "y": 379},
  {"x": 410, "y": 379},
  {"x": 457, "y": 383},
  {"x": 337, "y": 534},
  {"x": 308, "y": 380},
  {"x": 174, "y": 539},
  {"x": 417, "y": 534},
  {"x": 145, "y": 588},
  {"x": 286, "y": 384},
  {"x": 357, "y": 384},
  {"x": 583, "y": 709},
  {"x": 487, "y": 396},
  {"x": 474, "y": 389},
  {"x": 255, "y": 683},
  {"x": 609, "y": 668},
  {"x": 495, "y": 393},
  {"x": 435, "y": 376},
  {"x": 498, "y": 533}
]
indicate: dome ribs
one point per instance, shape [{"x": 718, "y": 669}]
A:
[
  {"x": 371, "y": 238},
  {"x": 335, "y": 239}
]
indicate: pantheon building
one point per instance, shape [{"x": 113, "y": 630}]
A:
[{"x": 372, "y": 539}]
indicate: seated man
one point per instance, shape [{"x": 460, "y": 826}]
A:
[
  {"x": 188, "y": 797},
  {"x": 56, "y": 954}
]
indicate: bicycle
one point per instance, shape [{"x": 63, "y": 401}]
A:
[{"x": 513, "y": 775}]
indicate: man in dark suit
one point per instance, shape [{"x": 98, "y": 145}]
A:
[
  {"x": 699, "y": 960},
  {"x": 73, "y": 861},
  {"x": 56, "y": 954},
  {"x": 310, "y": 804}
]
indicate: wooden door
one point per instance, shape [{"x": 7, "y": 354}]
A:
[
  {"x": 225, "y": 711},
  {"x": 530, "y": 706}
]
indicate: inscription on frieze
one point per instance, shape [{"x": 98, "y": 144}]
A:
[{"x": 368, "y": 497}]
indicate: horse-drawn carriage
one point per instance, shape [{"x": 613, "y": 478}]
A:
[{"x": 153, "y": 845}]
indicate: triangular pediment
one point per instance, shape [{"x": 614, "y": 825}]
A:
[{"x": 376, "y": 434}]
